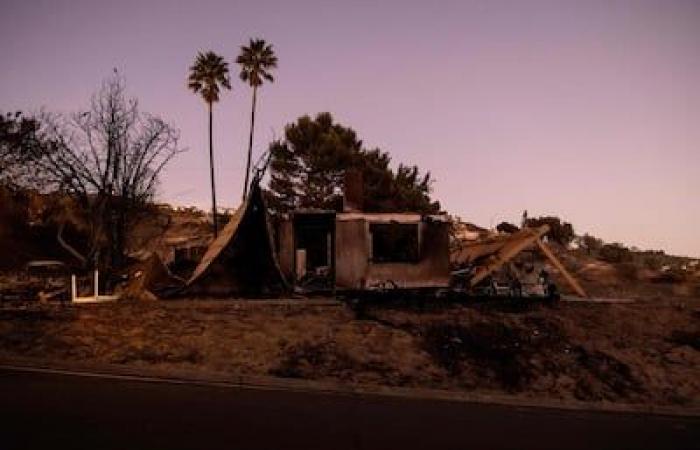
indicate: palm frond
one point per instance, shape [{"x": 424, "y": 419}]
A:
[
  {"x": 208, "y": 75},
  {"x": 256, "y": 60}
]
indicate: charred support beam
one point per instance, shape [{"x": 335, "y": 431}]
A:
[
  {"x": 527, "y": 237},
  {"x": 565, "y": 273},
  {"x": 521, "y": 241}
]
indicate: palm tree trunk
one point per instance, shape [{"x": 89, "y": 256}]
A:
[
  {"x": 250, "y": 144},
  {"x": 211, "y": 169}
]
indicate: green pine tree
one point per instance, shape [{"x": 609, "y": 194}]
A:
[{"x": 308, "y": 169}]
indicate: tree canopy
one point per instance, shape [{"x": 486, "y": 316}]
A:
[
  {"x": 308, "y": 170},
  {"x": 19, "y": 140},
  {"x": 208, "y": 75},
  {"x": 256, "y": 61}
]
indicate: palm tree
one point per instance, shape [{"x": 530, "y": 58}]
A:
[
  {"x": 208, "y": 75},
  {"x": 256, "y": 61}
]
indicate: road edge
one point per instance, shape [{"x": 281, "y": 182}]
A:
[{"x": 192, "y": 377}]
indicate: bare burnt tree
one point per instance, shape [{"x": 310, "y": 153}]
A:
[{"x": 107, "y": 160}]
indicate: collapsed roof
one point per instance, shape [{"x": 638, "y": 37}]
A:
[
  {"x": 486, "y": 256},
  {"x": 242, "y": 259}
]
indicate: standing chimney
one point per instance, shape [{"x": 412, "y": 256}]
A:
[{"x": 353, "y": 191}]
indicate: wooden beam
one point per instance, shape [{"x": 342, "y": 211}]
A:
[
  {"x": 565, "y": 273},
  {"x": 510, "y": 249}
]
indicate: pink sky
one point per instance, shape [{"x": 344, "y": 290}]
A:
[{"x": 587, "y": 110}]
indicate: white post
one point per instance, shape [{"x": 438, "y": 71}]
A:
[
  {"x": 73, "y": 289},
  {"x": 97, "y": 284}
]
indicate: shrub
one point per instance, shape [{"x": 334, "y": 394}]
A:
[
  {"x": 615, "y": 253},
  {"x": 559, "y": 231},
  {"x": 506, "y": 227},
  {"x": 591, "y": 244}
]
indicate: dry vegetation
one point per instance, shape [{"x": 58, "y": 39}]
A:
[{"x": 645, "y": 352}]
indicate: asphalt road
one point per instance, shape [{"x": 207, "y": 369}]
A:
[{"x": 51, "y": 411}]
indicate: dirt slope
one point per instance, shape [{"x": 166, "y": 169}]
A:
[{"x": 646, "y": 352}]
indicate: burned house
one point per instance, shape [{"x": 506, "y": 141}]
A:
[
  {"x": 327, "y": 250},
  {"x": 322, "y": 251},
  {"x": 351, "y": 250}
]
